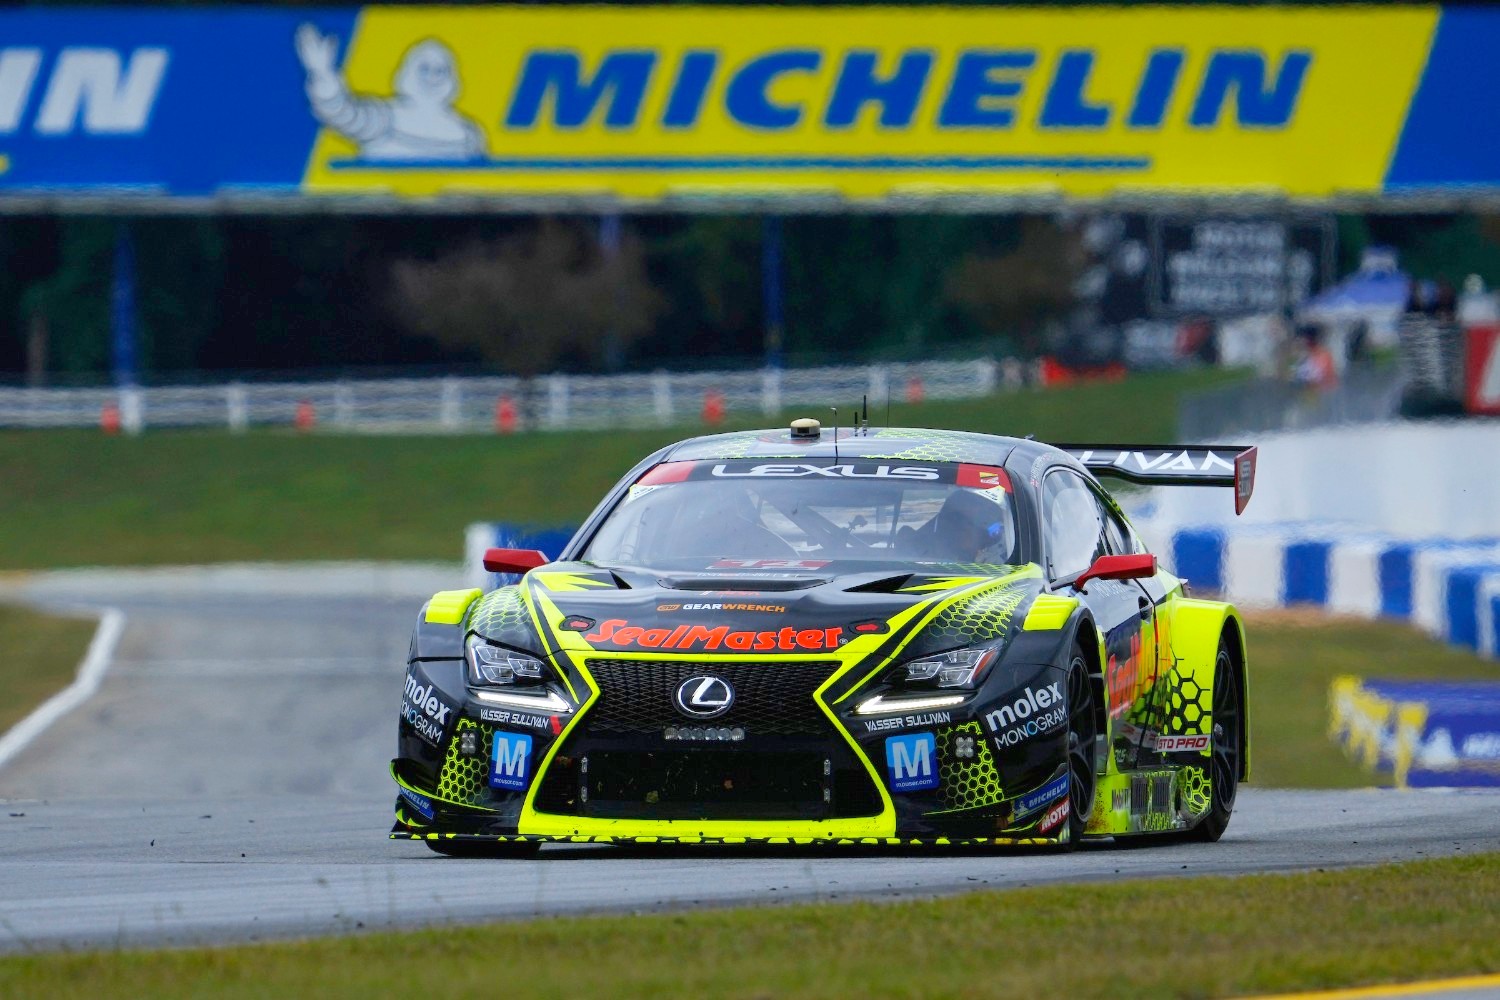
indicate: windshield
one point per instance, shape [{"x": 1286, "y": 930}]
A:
[{"x": 759, "y": 514}]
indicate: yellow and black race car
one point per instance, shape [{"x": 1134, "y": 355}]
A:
[{"x": 874, "y": 636}]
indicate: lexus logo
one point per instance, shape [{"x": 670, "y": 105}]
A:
[{"x": 706, "y": 697}]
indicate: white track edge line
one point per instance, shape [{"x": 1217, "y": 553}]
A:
[{"x": 91, "y": 673}]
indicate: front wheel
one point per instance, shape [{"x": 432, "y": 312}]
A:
[
  {"x": 1226, "y": 748},
  {"x": 1083, "y": 730},
  {"x": 484, "y": 848}
]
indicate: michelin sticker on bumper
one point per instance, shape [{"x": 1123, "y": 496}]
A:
[
  {"x": 421, "y": 803},
  {"x": 1051, "y": 791}
]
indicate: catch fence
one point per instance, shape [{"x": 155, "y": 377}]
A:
[{"x": 469, "y": 404}]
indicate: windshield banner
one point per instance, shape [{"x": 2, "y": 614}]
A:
[
  {"x": 979, "y": 477},
  {"x": 668, "y": 104}
]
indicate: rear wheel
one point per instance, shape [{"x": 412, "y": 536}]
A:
[
  {"x": 1227, "y": 748},
  {"x": 484, "y": 848},
  {"x": 1083, "y": 730}
]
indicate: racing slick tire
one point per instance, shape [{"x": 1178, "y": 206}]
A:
[
  {"x": 484, "y": 848},
  {"x": 1083, "y": 731},
  {"x": 1226, "y": 748}
]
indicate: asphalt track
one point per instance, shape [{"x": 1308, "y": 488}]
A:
[{"x": 228, "y": 782}]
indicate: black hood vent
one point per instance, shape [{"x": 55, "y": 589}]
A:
[{"x": 739, "y": 583}]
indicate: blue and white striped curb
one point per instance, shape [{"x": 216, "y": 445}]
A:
[{"x": 1448, "y": 588}]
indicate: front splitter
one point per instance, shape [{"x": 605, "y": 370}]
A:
[{"x": 401, "y": 833}]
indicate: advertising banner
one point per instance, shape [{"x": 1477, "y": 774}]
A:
[
  {"x": 1482, "y": 370},
  {"x": 1423, "y": 733},
  {"x": 645, "y": 104}
]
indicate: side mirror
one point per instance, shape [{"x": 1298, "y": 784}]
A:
[
  {"x": 513, "y": 560},
  {"x": 1131, "y": 567}
]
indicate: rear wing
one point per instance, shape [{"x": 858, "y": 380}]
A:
[{"x": 1173, "y": 465}]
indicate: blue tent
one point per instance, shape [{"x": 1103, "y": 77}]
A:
[{"x": 1377, "y": 291}]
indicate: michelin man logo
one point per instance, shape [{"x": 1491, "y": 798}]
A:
[{"x": 418, "y": 122}]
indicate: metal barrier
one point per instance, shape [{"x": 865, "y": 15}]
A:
[{"x": 549, "y": 402}]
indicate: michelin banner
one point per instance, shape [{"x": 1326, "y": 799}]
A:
[{"x": 675, "y": 103}]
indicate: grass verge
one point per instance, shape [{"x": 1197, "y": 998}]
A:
[
  {"x": 39, "y": 656},
  {"x": 1293, "y": 657},
  {"x": 77, "y": 498},
  {"x": 1196, "y": 937}
]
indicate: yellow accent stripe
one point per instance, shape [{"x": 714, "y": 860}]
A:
[
  {"x": 943, "y": 583},
  {"x": 447, "y": 607},
  {"x": 930, "y": 611},
  {"x": 529, "y": 597},
  {"x": 561, "y": 582},
  {"x": 1049, "y": 613},
  {"x": 1394, "y": 989},
  {"x": 4, "y": 163}
]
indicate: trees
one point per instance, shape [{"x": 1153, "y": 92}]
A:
[
  {"x": 530, "y": 300},
  {"x": 1015, "y": 291}
]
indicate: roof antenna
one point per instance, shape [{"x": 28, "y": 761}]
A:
[
  {"x": 888, "y": 402},
  {"x": 835, "y": 410},
  {"x": 865, "y": 420}
]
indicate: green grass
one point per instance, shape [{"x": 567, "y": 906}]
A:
[
  {"x": 39, "y": 655},
  {"x": 75, "y": 498},
  {"x": 1199, "y": 937},
  {"x": 1294, "y": 656}
]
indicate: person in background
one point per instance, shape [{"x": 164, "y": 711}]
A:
[
  {"x": 1445, "y": 302},
  {"x": 1312, "y": 362},
  {"x": 1419, "y": 298}
]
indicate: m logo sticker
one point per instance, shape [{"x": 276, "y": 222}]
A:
[
  {"x": 912, "y": 761},
  {"x": 510, "y": 761}
]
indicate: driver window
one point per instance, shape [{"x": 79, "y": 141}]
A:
[
  {"x": 1119, "y": 536},
  {"x": 1074, "y": 524}
]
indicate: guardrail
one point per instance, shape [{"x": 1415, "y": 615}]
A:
[{"x": 549, "y": 402}]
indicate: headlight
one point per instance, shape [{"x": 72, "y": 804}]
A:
[
  {"x": 495, "y": 665},
  {"x": 956, "y": 668}
]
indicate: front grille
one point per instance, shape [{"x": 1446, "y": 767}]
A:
[
  {"x": 791, "y": 764},
  {"x": 707, "y": 784},
  {"x": 770, "y": 699}
]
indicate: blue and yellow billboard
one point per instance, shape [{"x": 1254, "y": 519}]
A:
[{"x": 651, "y": 104}]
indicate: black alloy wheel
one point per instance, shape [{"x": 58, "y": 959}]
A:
[
  {"x": 1227, "y": 748},
  {"x": 1083, "y": 730}
]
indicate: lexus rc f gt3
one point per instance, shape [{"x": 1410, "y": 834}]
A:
[{"x": 874, "y": 636}]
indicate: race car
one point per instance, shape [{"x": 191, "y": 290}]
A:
[{"x": 860, "y": 636}]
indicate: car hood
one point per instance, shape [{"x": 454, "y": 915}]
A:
[{"x": 756, "y": 612}]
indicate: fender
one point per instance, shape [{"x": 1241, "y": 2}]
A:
[
  {"x": 1194, "y": 629},
  {"x": 439, "y": 634},
  {"x": 1051, "y": 626},
  {"x": 1051, "y": 623}
]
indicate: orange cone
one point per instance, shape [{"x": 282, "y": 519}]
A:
[
  {"x": 109, "y": 419},
  {"x": 505, "y": 415},
  {"x": 915, "y": 391},
  {"x": 307, "y": 416},
  {"x": 713, "y": 407}
]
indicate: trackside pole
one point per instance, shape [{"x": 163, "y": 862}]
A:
[{"x": 770, "y": 279}]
